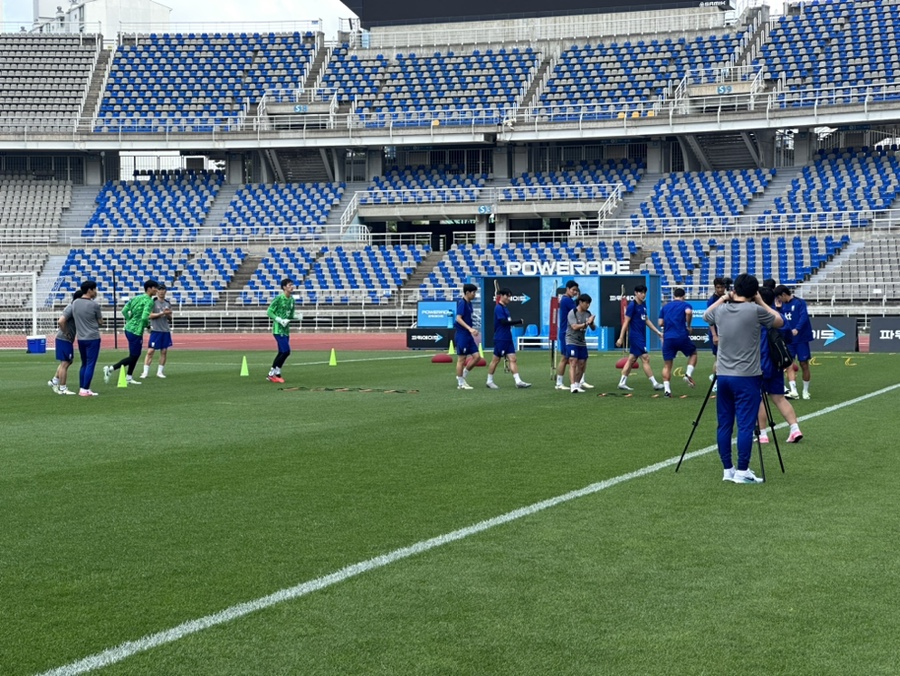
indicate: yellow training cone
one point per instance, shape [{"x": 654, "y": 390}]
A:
[
  {"x": 123, "y": 379},
  {"x": 452, "y": 349},
  {"x": 244, "y": 370},
  {"x": 333, "y": 360},
  {"x": 480, "y": 351}
]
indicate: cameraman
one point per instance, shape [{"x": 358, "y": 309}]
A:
[{"x": 737, "y": 317}]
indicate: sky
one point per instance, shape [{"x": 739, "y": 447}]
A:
[{"x": 19, "y": 12}]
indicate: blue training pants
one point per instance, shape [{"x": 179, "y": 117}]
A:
[{"x": 737, "y": 397}]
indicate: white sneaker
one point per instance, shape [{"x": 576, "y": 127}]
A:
[
  {"x": 792, "y": 395},
  {"x": 145, "y": 375},
  {"x": 107, "y": 372},
  {"x": 53, "y": 387},
  {"x": 560, "y": 386},
  {"x": 87, "y": 393},
  {"x": 464, "y": 386},
  {"x": 65, "y": 390},
  {"x": 576, "y": 389},
  {"x": 746, "y": 476},
  {"x": 492, "y": 386},
  {"x": 728, "y": 474},
  {"x": 523, "y": 385},
  {"x": 622, "y": 386},
  {"x": 806, "y": 396},
  {"x": 586, "y": 386},
  {"x": 659, "y": 386},
  {"x": 160, "y": 375},
  {"x": 132, "y": 381}
]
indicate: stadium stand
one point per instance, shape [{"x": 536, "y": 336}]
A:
[
  {"x": 450, "y": 88},
  {"x": 696, "y": 195},
  {"x": 167, "y": 207},
  {"x": 628, "y": 79},
  {"x": 424, "y": 184},
  {"x": 845, "y": 47},
  {"x": 205, "y": 276},
  {"x": 354, "y": 78},
  {"x": 593, "y": 181},
  {"x": 193, "y": 82},
  {"x": 291, "y": 211},
  {"x": 30, "y": 210},
  {"x": 124, "y": 270},
  {"x": 336, "y": 276},
  {"x": 45, "y": 79},
  {"x": 849, "y": 180},
  {"x": 694, "y": 264}
]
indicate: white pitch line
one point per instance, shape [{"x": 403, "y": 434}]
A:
[{"x": 129, "y": 648}]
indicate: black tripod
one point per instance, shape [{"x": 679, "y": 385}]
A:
[{"x": 768, "y": 408}]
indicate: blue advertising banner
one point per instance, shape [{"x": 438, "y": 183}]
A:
[
  {"x": 884, "y": 334},
  {"x": 435, "y": 313},
  {"x": 834, "y": 334}
]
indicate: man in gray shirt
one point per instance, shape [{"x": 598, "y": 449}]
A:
[
  {"x": 577, "y": 323},
  {"x": 737, "y": 317},
  {"x": 88, "y": 319},
  {"x": 160, "y": 333}
]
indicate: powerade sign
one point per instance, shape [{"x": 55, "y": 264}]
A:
[
  {"x": 833, "y": 334},
  {"x": 436, "y": 313},
  {"x": 566, "y": 268}
]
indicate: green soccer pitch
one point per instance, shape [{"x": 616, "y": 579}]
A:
[{"x": 370, "y": 518}]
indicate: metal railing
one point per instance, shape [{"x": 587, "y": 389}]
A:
[{"x": 504, "y": 121}]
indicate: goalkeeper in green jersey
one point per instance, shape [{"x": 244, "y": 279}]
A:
[
  {"x": 137, "y": 318},
  {"x": 281, "y": 312}
]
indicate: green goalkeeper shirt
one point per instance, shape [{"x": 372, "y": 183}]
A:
[
  {"x": 137, "y": 314},
  {"x": 283, "y": 307}
]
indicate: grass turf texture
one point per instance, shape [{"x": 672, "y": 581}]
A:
[{"x": 133, "y": 512}]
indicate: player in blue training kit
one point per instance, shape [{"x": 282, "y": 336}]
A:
[
  {"x": 566, "y": 304},
  {"x": 504, "y": 347},
  {"x": 720, "y": 286},
  {"x": 675, "y": 321},
  {"x": 773, "y": 380},
  {"x": 465, "y": 337},
  {"x": 635, "y": 321},
  {"x": 796, "y": 317}
]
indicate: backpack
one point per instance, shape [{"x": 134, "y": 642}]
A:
[{"x": 779, "y": 354}]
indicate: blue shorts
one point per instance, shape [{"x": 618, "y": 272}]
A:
[
  {"x": 465, "y": 344},
  {"x": 577, "y": 352},
  {"x": 673, "y": 346},
  {"x": 283, "y": 342},
  {"x": 135, "y": 343},
  {"x": 160, "y": 340},
  {"x": 773, "y": 384},
  {"x": 638, "y": 350},
  {"x": 800, "y": 351},
  {"x": 503, "y": 348},
  {"x": 65, "y": 351}
]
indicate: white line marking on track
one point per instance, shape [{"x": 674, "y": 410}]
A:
[{"x": 129, "y": 648}]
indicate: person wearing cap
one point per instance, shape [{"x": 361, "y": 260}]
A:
[
  {"x": 504, "y": 346},
  {"x": 137, "y": 319},
  {"x": 160, "y": 333}
]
